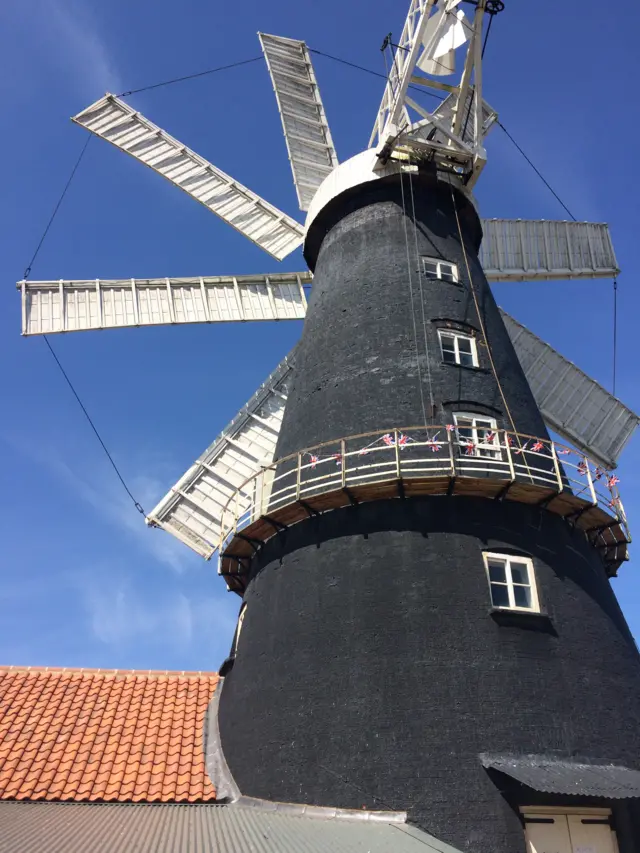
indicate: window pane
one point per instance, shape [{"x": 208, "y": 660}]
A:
[
  {"x": 447, "y": 344},
  {"x": 522, "y": 596},
  {"x": 499, "y": 595},
  {"x": 447, "y": 272},
  {"x": 497, "y": 571},
  {"x": 464, "y": 344},
  {"x": 430, "y": 267},
  {"x": 466, "y": 359},
  {"x": 519, "y": 572},
  {"x": 465, "y": 434}
]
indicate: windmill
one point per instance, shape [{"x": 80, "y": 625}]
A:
[{"x": 396, "y": 469}]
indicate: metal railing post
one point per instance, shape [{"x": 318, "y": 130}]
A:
[
  {"x": 512, "y": 469},
  {"x": 556, "y": 466},
  {"x": 452, "y": 457},
  {"x": 397, "y": 451},
  {"x": 343, "y": 459},
  {"x": 298, "y": 476},
  {"x": 592, "y": 491}
]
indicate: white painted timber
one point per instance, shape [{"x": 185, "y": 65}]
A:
[
  {"x": 265, "y": 225},
  {"x": 528, "y": 250},
  {"x": 572, "y": 404},
  {"x": 192, "y": 509},
  {"x": 444, "y": 117},
  {"x": 71, "y": 306},
  {"x": 306, "y": 132}
]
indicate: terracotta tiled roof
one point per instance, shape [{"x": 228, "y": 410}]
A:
[{"x": 109, "y": 735}]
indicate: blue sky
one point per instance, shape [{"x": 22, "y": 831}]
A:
[{"x": 83, "y": 581}]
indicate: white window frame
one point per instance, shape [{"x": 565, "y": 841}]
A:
[
  {"x": 507, "y": 559},
  {"x": 458, "y": 336},
  {"x": 241, "y": 615},
  {"x": 441, "y": 267},
  {"x": 482, "y": 449}
]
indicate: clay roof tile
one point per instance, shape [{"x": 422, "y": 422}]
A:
[{"x": 103, "y": 735}]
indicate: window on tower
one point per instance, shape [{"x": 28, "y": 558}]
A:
[
  {"x": 477, "y": 436},
  {"x": 442, "y": 270},
  {"x": 511, "y": 582},
  {"x": 458, "y": 349}
]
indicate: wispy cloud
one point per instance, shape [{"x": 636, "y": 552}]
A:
[
  {"x": 105, "y": 495},
  {"x": 65, "y": 36},
  {"x": 118, "y": 614}
]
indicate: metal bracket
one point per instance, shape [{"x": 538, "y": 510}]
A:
[
  {"x": 278, "y": 526},
  {"x": 308, "y": 508},
  {"x": 352, "y": 500}
]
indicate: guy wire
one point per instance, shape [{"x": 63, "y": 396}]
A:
[
  {"x": 413, "y": 314},
  {"x": 424, "y": 322}
]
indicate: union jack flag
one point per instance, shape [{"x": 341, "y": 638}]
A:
[
  {"x": 388, "y": 439},
  {"x": 435, "y": 447},
  {"x": 470, "y": 449},
  {"x": 404, "y": 439},
  {"x": 338, "y": 458},
  {"x": 364, "y": 451},
  {"x": 582, "y": 468},
  {"x": 521, "y": 449},
  {"x": 613, "y": 481},
  {"x": 537, "y": 447},
  {"x": 599, "y": 473},
  {"x": 314, "y": 461},
  {"x": 490, "y": 436},
  {"x": 563, "y": 452},
  {"x": 510, "y": 441},
  {"x": 450, "y": 428}
]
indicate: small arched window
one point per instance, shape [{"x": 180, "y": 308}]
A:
[
  {"x": 442, "y": 270},
  {"x": 477, "y": 435},
  {"x": 458, "y": 348}
]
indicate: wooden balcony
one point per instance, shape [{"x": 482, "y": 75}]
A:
[{"x": 410, "y": 462}]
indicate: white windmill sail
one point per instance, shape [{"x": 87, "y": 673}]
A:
[
  {"x": 112, "y": 119},
  {"x": 512, "y": 250},
  {"x": 572, "y": 404},
  {"x": 542, "y": 250},
  {"x": 306, "y": 132},
  {"x": 192, "y": 510},
  {"x": 71, "y": 306}
]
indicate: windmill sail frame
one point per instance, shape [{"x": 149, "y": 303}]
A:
[{"x": 113, "y": 120}]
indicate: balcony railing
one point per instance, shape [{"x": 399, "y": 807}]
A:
[{"x": 416, "y": 461}]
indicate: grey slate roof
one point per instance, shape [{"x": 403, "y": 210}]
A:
[
  {"x": 567, "y": 777},
  {"x": 27, "y": 827}
]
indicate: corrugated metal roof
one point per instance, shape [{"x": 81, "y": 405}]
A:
[
  {"x": 568, "y": 777},
  {"x": 147, "y": 828}
]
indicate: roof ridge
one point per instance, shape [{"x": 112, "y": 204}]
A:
[{"x": 93, "y": 671}]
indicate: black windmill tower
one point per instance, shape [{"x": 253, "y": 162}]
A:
[{"x": 428, "y": 620}]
